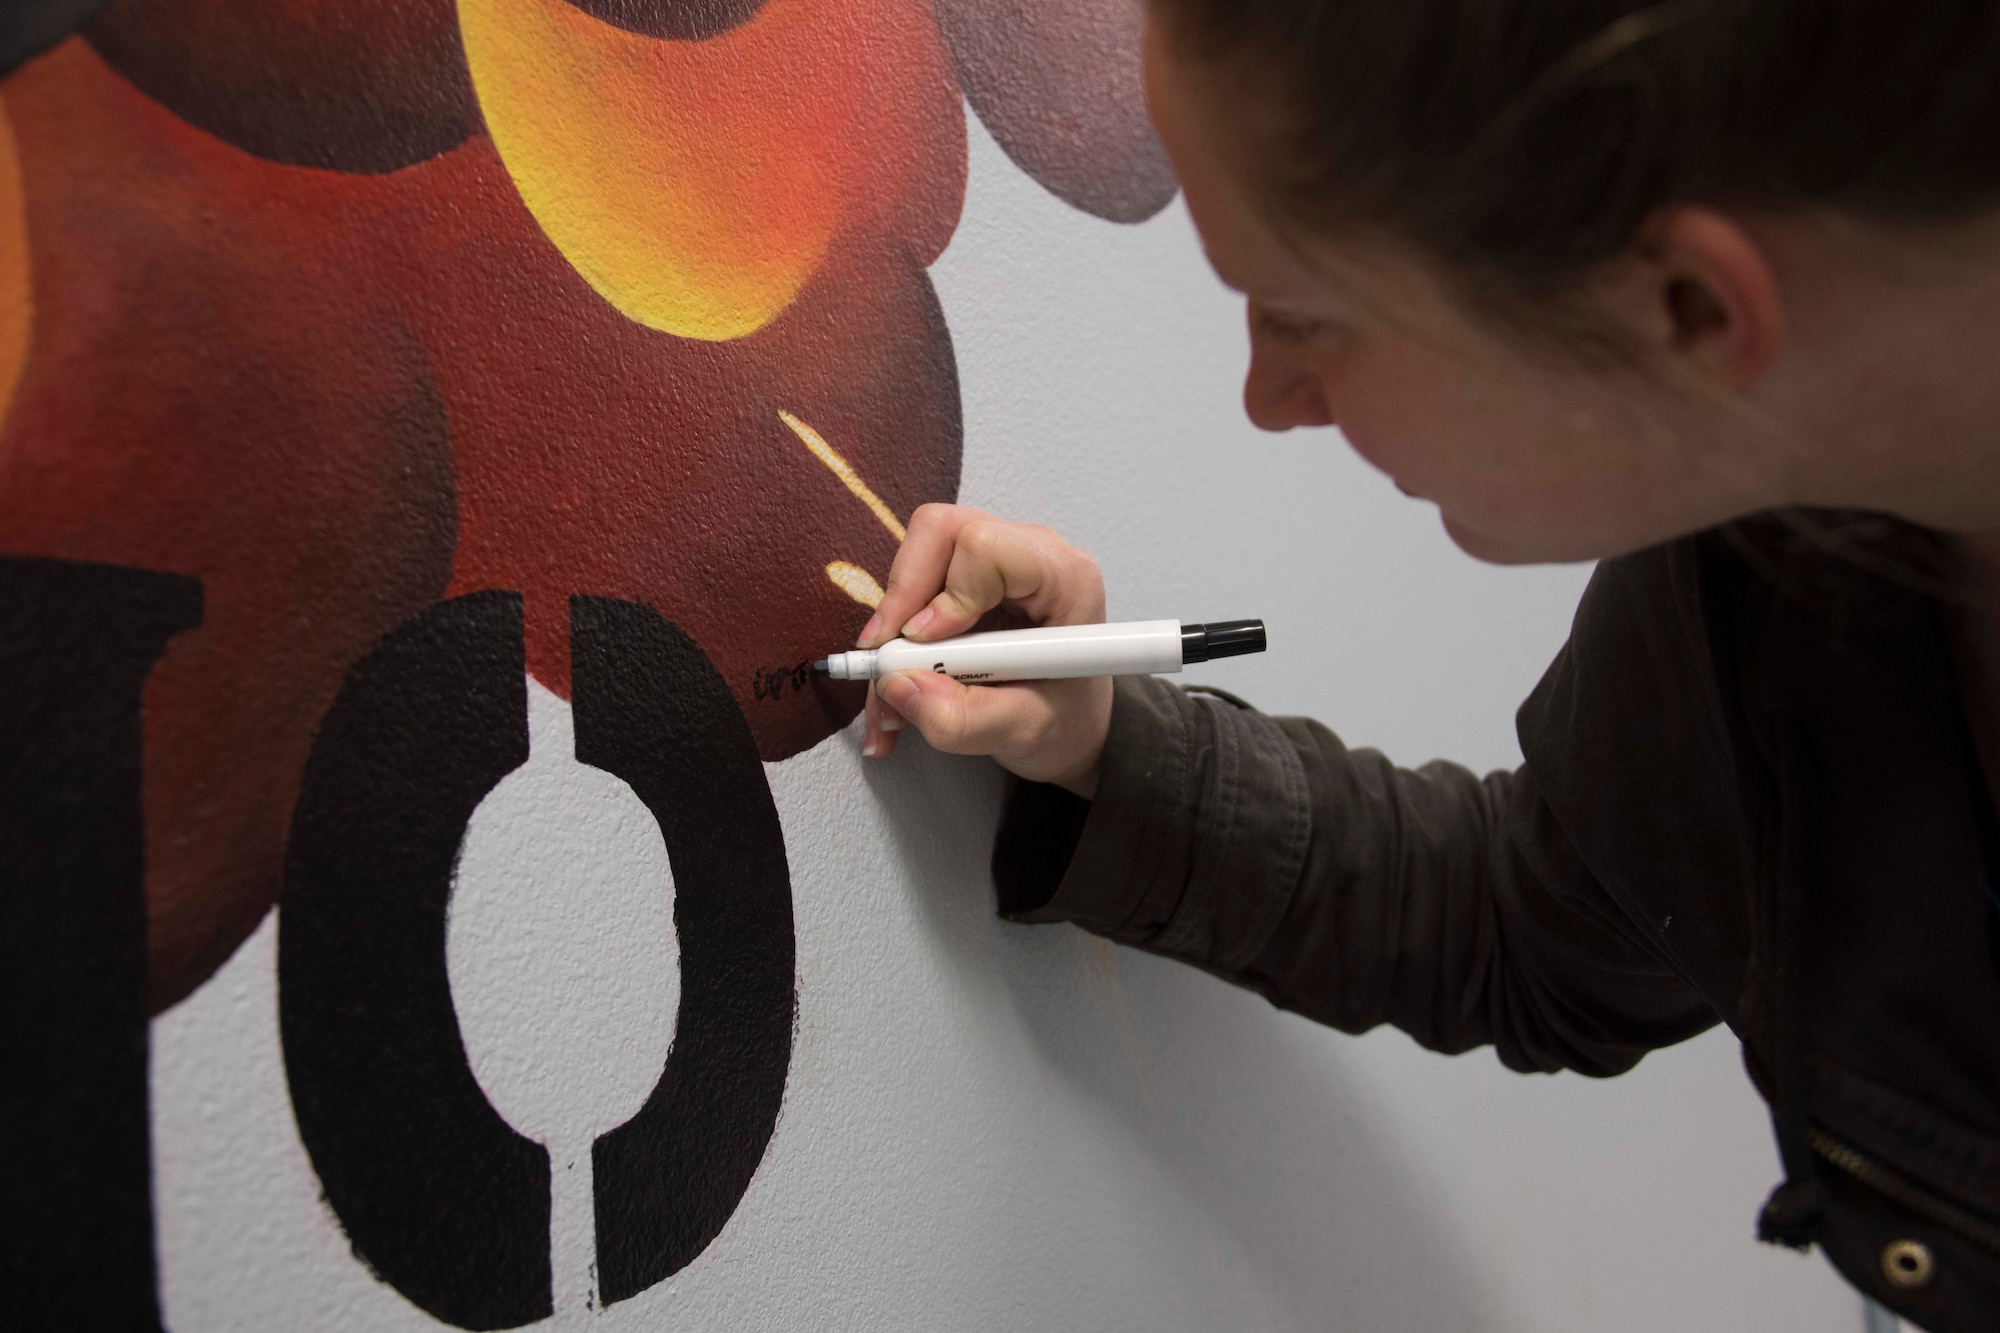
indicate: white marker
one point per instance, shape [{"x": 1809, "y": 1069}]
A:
[{"x": 1054, "y": 652}]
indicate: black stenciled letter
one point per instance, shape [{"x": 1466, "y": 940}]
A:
[
  {"x": 76, "y": 1220},
  {"x": 445, "y": 1200},
  {"x": 436, "y": 1192},
  {"x": 651, "y": 709}
]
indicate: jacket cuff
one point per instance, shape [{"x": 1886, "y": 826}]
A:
[
  {"x": 1194, "y": 845},
  {"x": 1058, "y": 857}
]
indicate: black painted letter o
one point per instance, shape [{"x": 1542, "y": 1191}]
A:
[
  {"x": 652, "y": 709},
  {"x": 443, "y": 1199}
]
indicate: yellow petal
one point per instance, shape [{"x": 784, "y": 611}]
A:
[{"x": 694, "y": 185}]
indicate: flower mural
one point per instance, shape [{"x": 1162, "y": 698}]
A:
[{"x": 345, "y": 309}]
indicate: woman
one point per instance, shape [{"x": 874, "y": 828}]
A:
[{"x": 1708, "y": 291}]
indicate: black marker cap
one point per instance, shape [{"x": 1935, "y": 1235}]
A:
[{"x": 1221, "y": 638}]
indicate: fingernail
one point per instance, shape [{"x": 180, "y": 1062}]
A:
[
  {"x": 868, "y": 631},
  {"x": 899, "y": 691},
  {"x": 888, "y": 722},
  {"x": 914, "y": 626},
  {"x": 870, "y": 747}
]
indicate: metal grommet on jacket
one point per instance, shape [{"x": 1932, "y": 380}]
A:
[{"x": 1907, "y": 1264}]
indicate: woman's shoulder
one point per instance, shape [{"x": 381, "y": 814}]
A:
[
  {"x": 1710, "y": 606},
  {"x": 1652, "y": 723}
]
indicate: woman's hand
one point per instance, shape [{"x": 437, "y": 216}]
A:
[{"x": 957, "y": 567}]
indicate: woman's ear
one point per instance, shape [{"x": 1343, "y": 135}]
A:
[{"x": 1714, "y": 292}]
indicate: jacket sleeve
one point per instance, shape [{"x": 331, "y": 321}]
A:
[{"x": 1345, "y": 888}]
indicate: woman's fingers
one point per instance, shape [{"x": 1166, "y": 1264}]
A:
[
  {"x": 957, "y": 564},
  {"x": 879, "y": 726},
  {"x": 919, "y": 568},
  {"x": 1029, "y": 568},
  {"x": 1050, "y": 731},
  {"x": 962, "y": 719}
]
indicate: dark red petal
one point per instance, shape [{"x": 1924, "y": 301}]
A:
[
  {"x": 1057, "y": 82},
  {"x": 30, "y": 27},
  {"x": 361, "y": 85},
  {"x": 678, "y": 20}
]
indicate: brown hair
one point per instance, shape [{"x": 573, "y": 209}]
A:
[{"x": 1530, "y": 139}]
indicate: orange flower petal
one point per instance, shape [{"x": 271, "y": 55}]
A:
[
  {"x": 698, "y": 185},
  {"x": 911, "y": 183},
  {"x": 689, "y": 182}
]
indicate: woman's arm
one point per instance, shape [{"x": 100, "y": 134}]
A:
[
  {"x": 1263, "y": 849},
  {"x": 1345, "y": 888}
]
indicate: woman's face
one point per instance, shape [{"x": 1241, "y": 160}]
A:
[{"x": 1528, "y": 453}]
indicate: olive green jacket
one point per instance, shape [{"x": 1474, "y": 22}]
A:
[{"x": 1749, "y": 798}]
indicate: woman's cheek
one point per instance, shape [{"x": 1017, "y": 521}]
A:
[{"x": 1384, "y": 416}]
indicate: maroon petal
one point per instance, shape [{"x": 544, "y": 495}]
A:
[
  {"x": 30, "y": 27},
  {"x": 1057, "y": 83},
  {"x": 677, "y": 20},
  {"x": 360, "y": 85}
]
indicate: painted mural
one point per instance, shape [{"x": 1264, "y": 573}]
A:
[{"x": 360, "y": 361}]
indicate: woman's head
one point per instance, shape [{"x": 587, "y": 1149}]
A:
[{"x": 1551, "y": 263}]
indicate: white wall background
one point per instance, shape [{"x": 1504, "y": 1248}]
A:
[{"x": 994, "y": 1127}]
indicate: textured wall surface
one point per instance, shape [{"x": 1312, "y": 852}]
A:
[{"x": 607, "y": 986}]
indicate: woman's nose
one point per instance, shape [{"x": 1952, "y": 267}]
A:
[{"x": 1280, "y": 392}]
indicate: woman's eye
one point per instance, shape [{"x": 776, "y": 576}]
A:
[{"x": 1287, "y": 328}]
